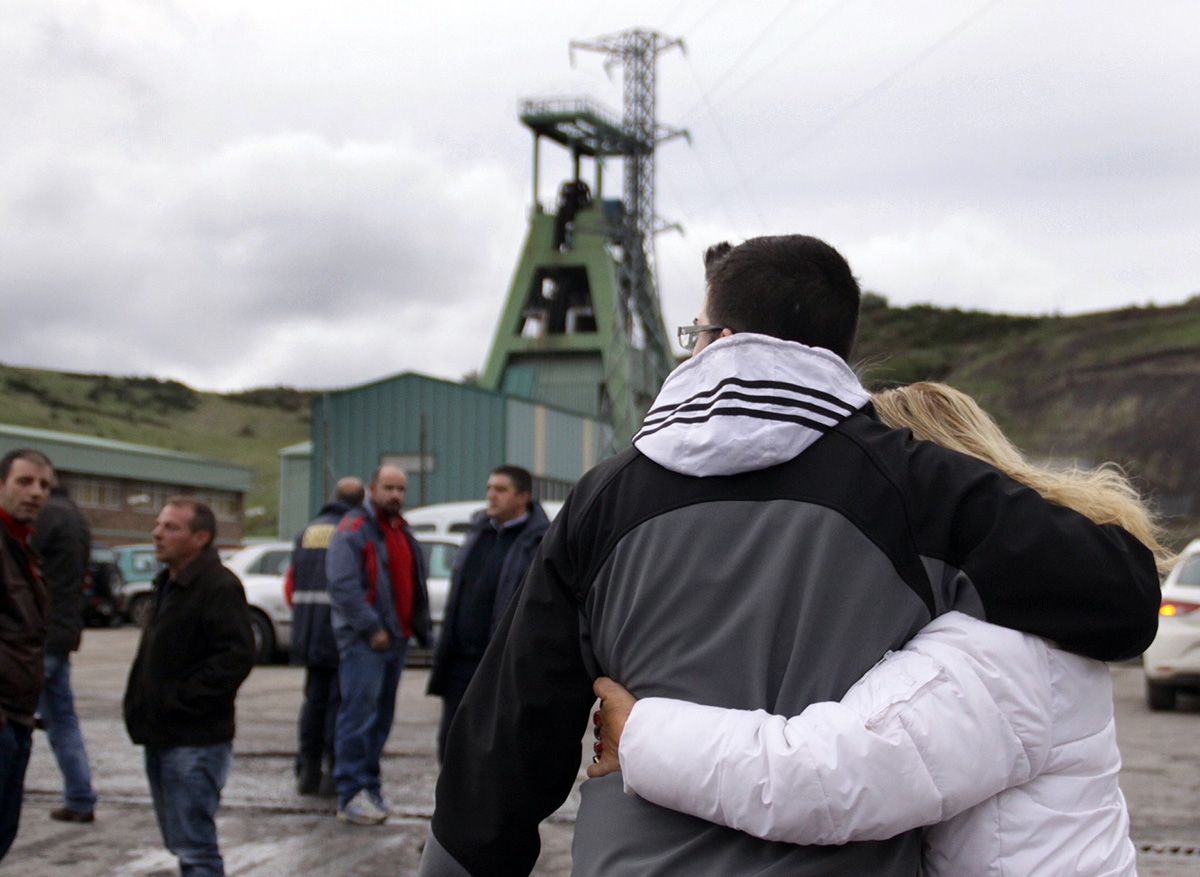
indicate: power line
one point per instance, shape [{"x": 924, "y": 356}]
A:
[
  {"x": 739, "y": 174},
  {"x": 669, "y": 17},
  {"x": 704, "y": 15},
  {"x": 723, "y": 83},
  {"x": 886, "y": 83}
]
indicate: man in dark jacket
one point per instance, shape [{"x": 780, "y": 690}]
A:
[
  {"x": 378, "y": 600},
  {"x": 64, "y": 541},
  {"x": 179, "y": 702},
  {"x": 487, "y": 571},
  {"x": 25, "y": 480},
  {"x": 313, "y": 645}
]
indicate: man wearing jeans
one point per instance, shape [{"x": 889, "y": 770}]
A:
[
  {"x": 25, "y": 479},
  {"x": 64, "y": 541},
  {"x": 376, "y": 575},
  {"x": 194, "y": 654}
]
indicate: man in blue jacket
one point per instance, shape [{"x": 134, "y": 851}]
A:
[
  {"x": 378, "y": 600},
  {"x": 313, "y": 646},
  {"x": 487, "y": 571}
]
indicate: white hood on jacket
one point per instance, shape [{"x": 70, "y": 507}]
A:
[{"x": 747, "y": 402}]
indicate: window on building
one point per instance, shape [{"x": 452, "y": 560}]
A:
[
  {"x": 410, "y": 463},
  {"x": 95, "y": 493},
  {"x": 551, "y": 488}
]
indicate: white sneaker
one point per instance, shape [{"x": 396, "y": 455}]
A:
[
  {"x": 361, "y": 810},
  {"x": 381, "y": 802}
]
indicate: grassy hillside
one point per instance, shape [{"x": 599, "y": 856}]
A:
[
  {"x": 1120, "y": 385},
  {"x": 247, "y": 428}
]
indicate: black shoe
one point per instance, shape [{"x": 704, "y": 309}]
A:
[
  {"x": 66, "y": 814},
  {"x": 308, "y": 779},
  {"x": 327, "y": 788}
]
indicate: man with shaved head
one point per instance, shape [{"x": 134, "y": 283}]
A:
[
  {"x": 378, "y": 600},
  {"x": 307, "y": 589}
]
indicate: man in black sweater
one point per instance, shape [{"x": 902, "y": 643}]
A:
[
  {"x": 487, "y": 571},
  {"x": 64, "y": 541},
  {"x": 25, "y": 480},
  {"x": 179, "y": 703}
]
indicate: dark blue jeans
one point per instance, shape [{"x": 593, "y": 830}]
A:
[
  {"x": 57, "y": 709},
  {"x": 368, "y": 681},
  {"x": 14, "y": 758},
  {"x": 186, "y": 783}
]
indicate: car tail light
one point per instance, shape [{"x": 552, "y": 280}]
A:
[{"x": 1172, "y": 608}]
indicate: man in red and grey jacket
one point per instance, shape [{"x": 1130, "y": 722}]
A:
[{"x": 378, "y": 600}]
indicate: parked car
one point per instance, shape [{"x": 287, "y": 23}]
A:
[
  {"x": 1172, "y": 663},
  {"x": 439, "y": 551},
  {"x": 442, "y": 518},
  {"x": 102, "y": 588},
  {"x": 262, "y": 567},
  {"x": 455, "y": 517},
  {"x": 137, "y": 566}
]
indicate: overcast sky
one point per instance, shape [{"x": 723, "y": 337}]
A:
[{"x": 239, "y": 194}]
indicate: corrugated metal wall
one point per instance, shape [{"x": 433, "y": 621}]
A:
[
  {"x": 468, "y": 431},
  {"x": 295, "y": 464}
]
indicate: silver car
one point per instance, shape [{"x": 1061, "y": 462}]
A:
[{"x": 1172, "y": 663}]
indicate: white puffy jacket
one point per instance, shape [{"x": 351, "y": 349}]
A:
[{"x": 1003, "y": 744}]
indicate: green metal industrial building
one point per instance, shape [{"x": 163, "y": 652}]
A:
[
  {"x": 121, "y": 487},
  {"x": 446, "y": 436}
]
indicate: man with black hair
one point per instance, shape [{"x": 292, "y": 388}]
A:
[
  {"x": 764, "y": 542},
  {"x": 64, "y": 541},
  {"x": 194, "y": 654},
  {"x": 26, "y": 477},
  {"x": 487, "y": 571},
  {"x": 313, "y": 647}
]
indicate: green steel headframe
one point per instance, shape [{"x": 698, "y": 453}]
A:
[{"x": 582, "y": 325}]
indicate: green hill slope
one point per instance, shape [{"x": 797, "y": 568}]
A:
[
  {"x": 246, "y": 428},
  {"x": 1120, "y": 385}
]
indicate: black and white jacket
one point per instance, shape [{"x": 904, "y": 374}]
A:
[{"x": 765, "y": 542}]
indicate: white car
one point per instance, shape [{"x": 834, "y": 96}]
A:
[
  {"x": 455, "y": 517},
  {"x": 439, "y": 550},
  {"x": 1172, "y": 663},
  {"x": 262, "y": 567}
]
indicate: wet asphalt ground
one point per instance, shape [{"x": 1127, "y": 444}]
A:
[{"x": 267, "y": 830}]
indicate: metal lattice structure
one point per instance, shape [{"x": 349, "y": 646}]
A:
[
  {"x": 640, "y": 313},
  {"x": 582, "y": 328}
]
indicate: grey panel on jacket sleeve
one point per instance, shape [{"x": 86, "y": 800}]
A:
[
  {"x": 953, "y": 589},
  {"x": 748, "y": 604},
  {"x": 436, "y": 862}
]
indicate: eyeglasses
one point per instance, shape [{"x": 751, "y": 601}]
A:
[{"x": 689, "y": 335}]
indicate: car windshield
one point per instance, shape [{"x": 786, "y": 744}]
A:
[
  {"x": 1189, "y": 573},
  {"x": 439, "y": 558},
  {"x": 144, "y": 561},
  {"x": 272, "y": 563}
]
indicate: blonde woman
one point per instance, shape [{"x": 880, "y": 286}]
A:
[{"x": 1003, "y": 744}]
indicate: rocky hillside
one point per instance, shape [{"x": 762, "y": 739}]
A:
[{"x": 1119, "y": 385}]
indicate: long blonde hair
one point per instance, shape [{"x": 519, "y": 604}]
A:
[{"x": 939, "y": 413}]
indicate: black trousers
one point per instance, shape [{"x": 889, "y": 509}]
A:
[
  {"x": 318, "y": 715},
  {"x": 458, "y": 675}
]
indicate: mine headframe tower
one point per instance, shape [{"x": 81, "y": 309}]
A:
[{"x": 582, "y": 327}]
